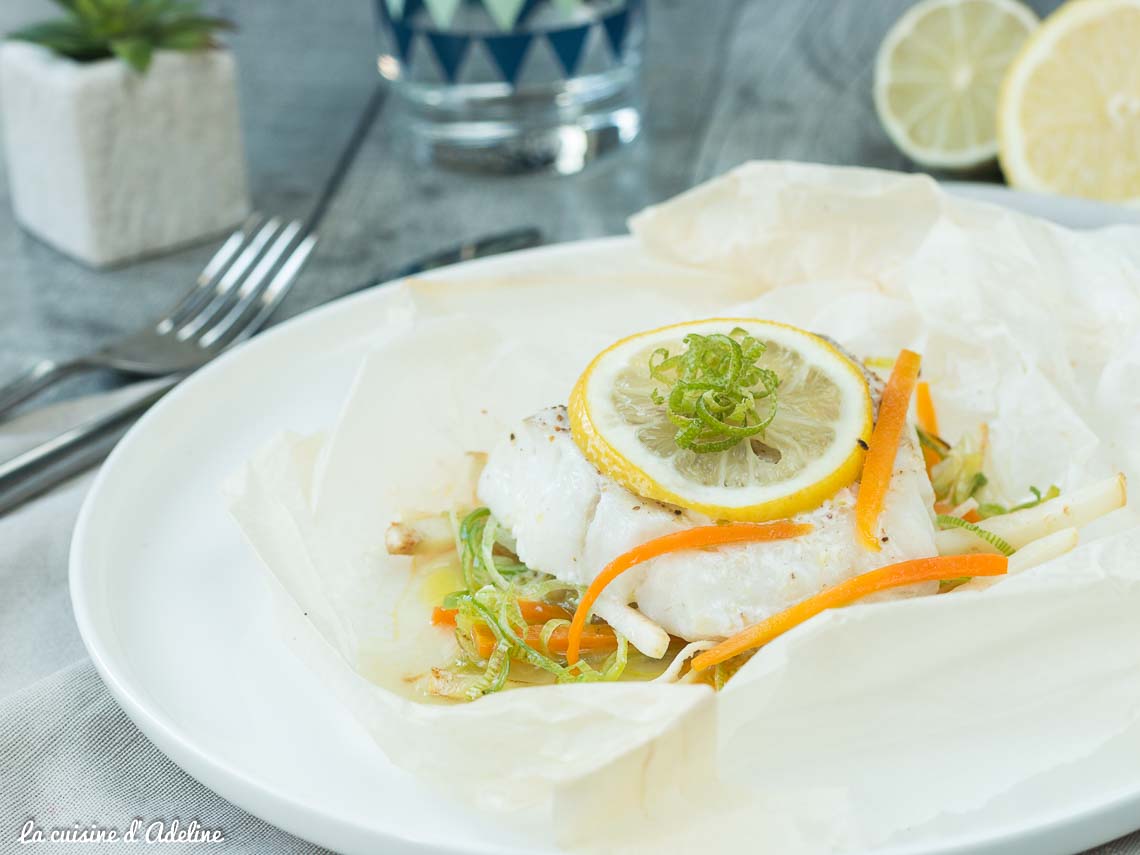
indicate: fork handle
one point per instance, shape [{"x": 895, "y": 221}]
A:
[{"x": 35, "y": 380}]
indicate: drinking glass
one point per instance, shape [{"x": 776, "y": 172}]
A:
[{"x": 513, "y": 85}]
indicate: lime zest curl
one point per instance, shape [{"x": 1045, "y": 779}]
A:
[{"x": 714, "y": 387}]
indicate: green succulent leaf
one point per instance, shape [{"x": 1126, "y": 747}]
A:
[
  {"x": 136, "y": 53},
  {"x": 91, "y": 10},
  {"x": 185, "y": 40},
  {"x": 131, "y": 30},
  {"x": 64, "y": 37}
]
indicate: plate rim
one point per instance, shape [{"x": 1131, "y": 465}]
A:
[
  {"x": 330, "y": 828},
  {"x": 212, "y": 771}
]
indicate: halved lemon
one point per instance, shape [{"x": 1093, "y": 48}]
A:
[
  {"x": 938, "y": 74},
  {"x": 1069, "y": 116},
  {"x": 813, "y": 447}
]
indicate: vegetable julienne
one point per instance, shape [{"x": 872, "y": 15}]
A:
[
  {"x": 596, "y": 639},
  {"x": 959, "y": 475},
  {"x": 891, "y": 576},
  {"x": 533, "y": 612},
  {"x": 884, "y": 445},
  {"x": 692, "y": 538},
  {"x": 509, "y": 612}
]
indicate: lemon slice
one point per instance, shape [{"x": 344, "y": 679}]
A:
[
  {"x": 811, "y": 449},
  {"x": 938, "y": 75},
  {"x": 1069, "y": 116}
]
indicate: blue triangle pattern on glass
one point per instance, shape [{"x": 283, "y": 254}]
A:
[
  {"x": 616, "y": 26},
  {"x": 410, "y": 9},
  {"x": 402, "y": 33},
  {"x": 528, "y": 9},
  {"x": 567, "y": 45},
  {"x": 508, "y": 53},
  {"x": 450, "y": 50},
  {"x": 382, "y": 11}
]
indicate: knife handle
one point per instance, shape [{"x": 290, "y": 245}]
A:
[{"x": 39, "y": 468}]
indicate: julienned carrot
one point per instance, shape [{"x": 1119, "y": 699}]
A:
[
  {"x": 884, "y": 446},
  {"x": 971, "y": 515},
  {"x": 845, "y": 593},
  {"x": 924, "y": 408},
  {"x": 443, "y": 617},
  {"x": 533, "y": 611},
  {"x": 598, "y": 639},
  {"x": 690, "y": 538},
  {"x": 927, "y": 420}
]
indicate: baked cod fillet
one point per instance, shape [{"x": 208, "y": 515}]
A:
[{"x": 569, "y": 520}]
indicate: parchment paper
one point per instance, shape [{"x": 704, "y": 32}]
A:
[{"x": 863, "y": 722}]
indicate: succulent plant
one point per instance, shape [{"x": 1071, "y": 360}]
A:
[{"x": 132, "y": 30}]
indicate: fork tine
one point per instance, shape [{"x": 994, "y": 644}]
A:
[
  {"x": 228, "y": 282},
  {"x": 257, "y": 280},
  {"x": 192, "y": 300},
  {"x": 278, "y": 288},
  {"x": 260, "y": 292}
]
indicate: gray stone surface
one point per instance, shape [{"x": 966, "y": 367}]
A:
[{"x": 726, "y": 81}]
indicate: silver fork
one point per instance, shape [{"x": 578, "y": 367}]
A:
[{"x": 234, "y": 295}]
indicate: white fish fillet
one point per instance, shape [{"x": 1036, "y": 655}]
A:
[{"x": 569, "y": 520}]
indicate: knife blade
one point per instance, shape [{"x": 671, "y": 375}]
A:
[{"x": 508, "y": 241}]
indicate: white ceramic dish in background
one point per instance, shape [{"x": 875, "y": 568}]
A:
[{"x": 177, "y": 617}]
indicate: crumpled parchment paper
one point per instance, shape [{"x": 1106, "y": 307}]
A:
[{"x": 860, "y": 724}]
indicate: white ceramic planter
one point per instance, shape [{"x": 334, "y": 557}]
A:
[{"x": 108, "y": 165}]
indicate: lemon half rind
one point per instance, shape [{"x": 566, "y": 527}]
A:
[{"x": 1013, "y": 150}]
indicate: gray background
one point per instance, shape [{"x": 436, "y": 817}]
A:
[{"x": 726, "y": 81}]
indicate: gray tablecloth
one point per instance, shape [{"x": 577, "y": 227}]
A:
[{"x": 726, "y": 81}]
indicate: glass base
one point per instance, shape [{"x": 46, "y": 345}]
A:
[{"x": 489, "y": 128}]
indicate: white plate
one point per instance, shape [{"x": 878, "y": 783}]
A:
[{"x": 176, "y": 616}]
